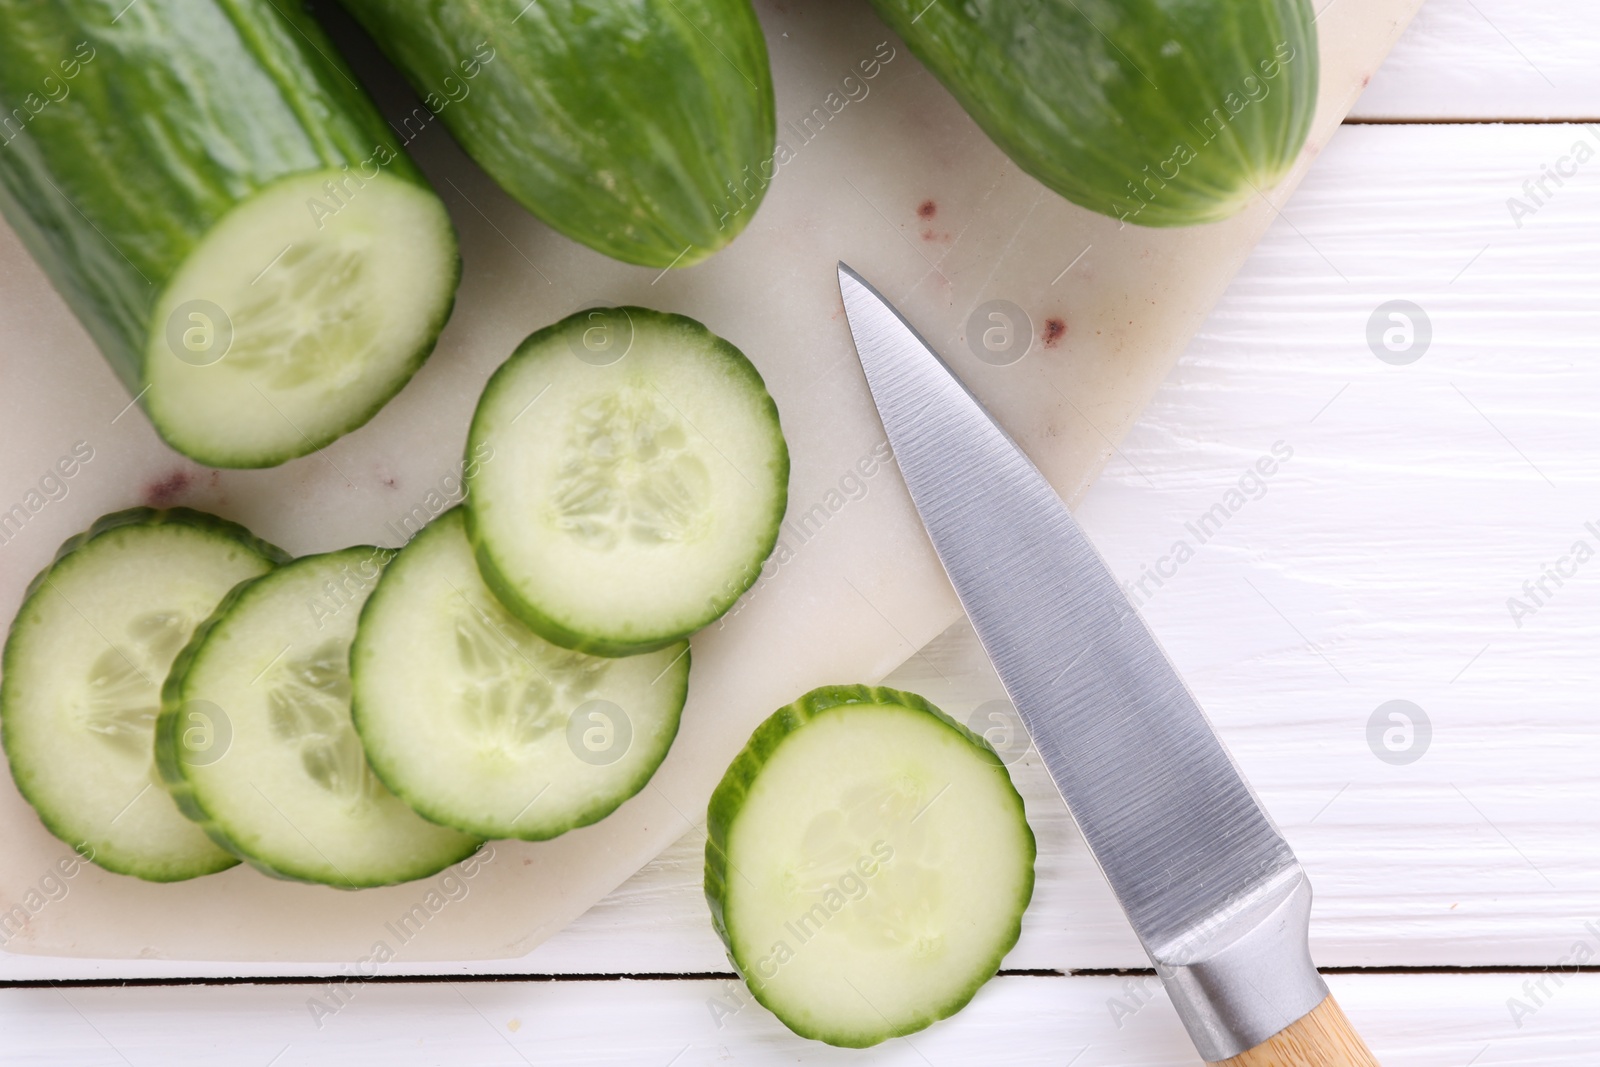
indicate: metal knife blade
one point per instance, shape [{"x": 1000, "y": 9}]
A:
[{"x": 1210, "y": 886}]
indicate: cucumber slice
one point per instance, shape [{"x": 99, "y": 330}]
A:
[
  {"x": 639, "y": 476},
  {"x": 867, "y": 864},
  {"x": 291, "y": 792},
  {"x": 84, "y": 663},
  {"x": 227, "y": 214},
  {"x": 478, "y": 723}
]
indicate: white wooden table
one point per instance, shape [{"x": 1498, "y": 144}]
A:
[{"x": 1458, "y": 894}]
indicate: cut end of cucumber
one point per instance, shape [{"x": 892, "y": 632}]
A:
[
  {"x": 291, "y": 792},
  {"x": 480, "y": 724},
  {"x": 867, "y": 864},
  {"x": 636, "y": 480},
  {"x": 83, "y": 671},
  {"x": 296, "y": 318}
]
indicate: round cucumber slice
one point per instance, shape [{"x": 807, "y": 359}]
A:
[
  {"x": 84, "y": 664},
  {"x": 637, "y": 481},
  {"x": 867, "y": 864},
  {"x": 256, "y": 744},
  {"x": 480, "y": 724},
  {"x": 298, "y": 316}
]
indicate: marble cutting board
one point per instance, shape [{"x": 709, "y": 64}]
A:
[{"x": 899, "y": 183}]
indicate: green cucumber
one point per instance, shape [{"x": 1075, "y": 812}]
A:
[
  {"x": 641, "y": 128},
  {"x": 868, "y": 862},
  {"x": 479, "y": 724},
  {"x": 227, "y": 214},
  {"x": 84, "y": 664},
  {"x": 1158, "y": 112},
  {"x": 638, "y": 481},
  {"x": 290, "y": 791}
]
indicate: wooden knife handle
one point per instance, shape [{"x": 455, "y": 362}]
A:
[{"x": 1323, "y": 1038}]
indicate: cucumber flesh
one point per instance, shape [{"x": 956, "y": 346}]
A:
[
  {"x": 84, "y": 665},
  {"x": 638, "y": 479},
  {"x": 292, "y": 793},
  {"x": 867, "y": 864},
  {"x": 480, "y": 724},
  {"x": 289, "y": 325}
]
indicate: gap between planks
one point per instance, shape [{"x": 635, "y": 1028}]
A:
[{"x": 707, "y": 976}]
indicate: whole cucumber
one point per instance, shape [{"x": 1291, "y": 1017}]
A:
[
  {"x": 1157, "y": 112},
  {"x": 641, "y": 128}
]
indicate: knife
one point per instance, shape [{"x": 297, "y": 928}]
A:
[{"x": 1211, "y": 887}]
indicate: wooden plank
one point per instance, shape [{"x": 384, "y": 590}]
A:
[
  {"x": 1409, "y": 1020},
  {"x": 1490, "y": 59}
]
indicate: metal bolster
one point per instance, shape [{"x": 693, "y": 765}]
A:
[{"x": 1244, "y": 975}]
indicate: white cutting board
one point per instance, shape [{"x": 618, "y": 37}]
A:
[{"x": 900, "y": 184}]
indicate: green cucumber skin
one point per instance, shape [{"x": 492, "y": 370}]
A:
[
  {"x": 531, "y": 615},
  {"x": 1079, "y": 95},
  {"x": 729, "y": 798},
  {"x": 619, "y": 123},
  {"x": 169, "y": 727},
  {"x": 177, "y": 113},
  {"x": 105, "y": 524},
  {"x": 582, "y": 818}
]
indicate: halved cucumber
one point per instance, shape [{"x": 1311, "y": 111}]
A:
[
  {"x": 638, "y": 480},
  {"x": 226, "y": 212},
  {"x": 84, "y": 664},
  {"x": 480, "y": 724},
  {"x": 867, "y": 864},
  {"x": 290, "y": 791}
]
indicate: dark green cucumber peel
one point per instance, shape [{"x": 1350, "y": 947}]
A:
[
  {"x": 729, "y": 799},
  {"x": 175, "y": 113},
  {"x": 1158, "y": 112},
  {"x": 555, "y": 630},
  {"x": 636, "y": 127},
  {"x": 106, "y": 524}
]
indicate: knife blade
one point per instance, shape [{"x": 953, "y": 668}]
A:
[{"x": 1210, "y": 886}]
